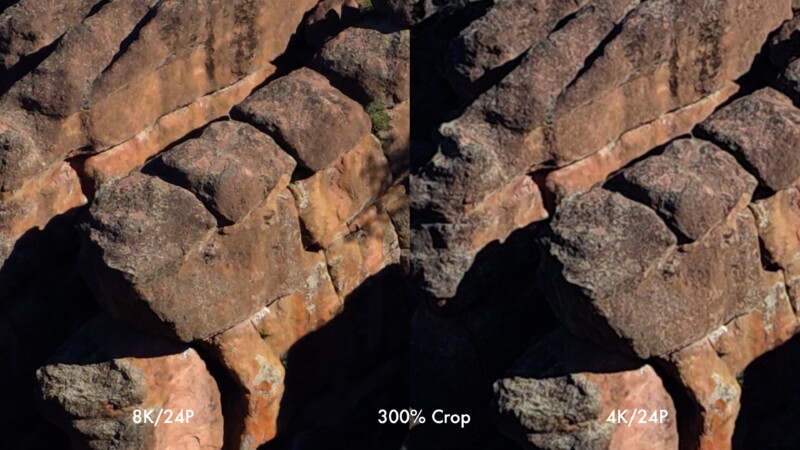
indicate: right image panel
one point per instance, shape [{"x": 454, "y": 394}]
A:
[{"x": 605, "y": 224}]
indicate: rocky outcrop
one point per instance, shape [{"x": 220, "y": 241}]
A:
[{"x": 192, "y": 170}]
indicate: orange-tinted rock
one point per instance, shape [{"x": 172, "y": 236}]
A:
[
  {"x": 370, "y": 246},
  {"x": 739, "y": 342},
  {"x": 30, "y": 25},
  {"x": 369, "y": 64},
  {"x": 312, "y": 120},
  {"x": 122, "y": 159},
  {"x": 562, "y": 393},
  {"x": 778, "y": 220},
  {"x": 289, "y": 318},
  {"x": 693, "y": 185},
  {"x": 658, "y": 59},
  {"x": 231, "y": 168},
  {"x": 331, "y": 198},
  {"x": 99, "y": 89},
  {"x": 252, "y": 418},
  {"x": 761, "y": 129},
  {"x": 153, "y": 257},
  {"x": 714, "y": 391},
  {"x": 93, "y": 386},
  {"x": 442, "y": 253},
  {"x": 591, "y": 171},
  {"x": 614, "y": 275}
]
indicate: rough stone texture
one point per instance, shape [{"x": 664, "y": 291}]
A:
[
  {"x": 93, "y": 384},
  {"x": 397, "y": 140},
  {"x": 330, "y": 17},
  {"x": 231, "y": 168},
  {"x": 593, "y": 170},
  {"x": 329, "y": 200},
  {"x": 258, "y": 373},
  {"x": 443, "y": 253},
  {"x": 658, "y": 59},
  {"x": 288, "y": 319},
  {"x": 369, "y": 64},
  {"x": 761, "y": 129},
  {"x": 642, "y": 298},
  {"x": 370, "y": 246},
  {"x": 505, "y": 33},
  {"x": 693, "y": 186},
  {"x": 560, "y": 394},
  {"x": 122, "y": 159},
  {"x": 30, "y": 25},
  {"x": 715, "y": 392},
  {"x": 197, "y": 267},
  {"x": 311, "y": 119}
]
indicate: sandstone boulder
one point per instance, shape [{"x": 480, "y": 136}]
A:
[
  {"x": 231, "y": 167},
  {"x": 93, "y": 385},
  {"x": 369, "y": 63},
  {"x": 761, "y": 129},
  {"x": 153, "y": 257},
  {"x": 615, "y": 276},
  {"x": 693, "y": 186},
  {"x": 562, "y": 392},
  {"x": 312, "y": 120},
  {"x": 251, "y": 420},
  {"x": 329, "y": 200}
]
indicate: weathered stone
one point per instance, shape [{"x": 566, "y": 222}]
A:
[
  {"x": 645, "y": 60},
  {"x": 106, "y": 371},
  {"x": 93, "y": 92},
  {"x": 504, "y": 34},
  {"x": 370, "y": 246},
  {"x": 329, "y": 200},
  {"x": 443, "y": 253},
  {"x": 258, "y": 373},
  {"x": 714, "y": 392},
  {"x": 30, "y": 25},
  {"x": 30, "y": 208},
  {"x": 561, "y": 393},
  {"x": 368, "y": 64},
  {"x": 122, "y": 159},
  {"x": 231, "y": 168},
  {"x": 761, "y": 129},
  {"x": 329, "y": 18},
  {"x": 739, "y": 342},
  {"x": 404, "y": 12},
  {"x": 314, "y": 121},
  {"x": 693, "y": 186},
  {"x": 153, "y": 258},
  {"x": 593, "y": 170},
  {"x": 285, "y": 321},
  {"x": 615, "y": 277}
]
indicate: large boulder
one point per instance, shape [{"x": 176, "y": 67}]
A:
[
  {"x": 306, "y": 115},
  {"x": 614, "y": 274},
  {"x": 761, "y": 129},
  {"x": 107, "y": 378},
  {"x": 565, "y": 393}
]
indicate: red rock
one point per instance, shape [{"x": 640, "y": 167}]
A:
[
  {"x": 258, "y": 373},
  {"x": 288, "y": 319},
  {"x": 563, "y": 391},
  {"x": 761, "y": 129},
  {"x": 312, "y": 120},
  {"x": 329, "y": 200},
  {"x": 95, "y": 383},
  {"x": 231, "y": 168},
  {"x": 369, "y": 64}
]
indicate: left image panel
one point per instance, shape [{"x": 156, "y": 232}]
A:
[{"x": 203, "y": 223}]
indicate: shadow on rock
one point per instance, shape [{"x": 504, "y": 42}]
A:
[{"x": 340, "y": 376}]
